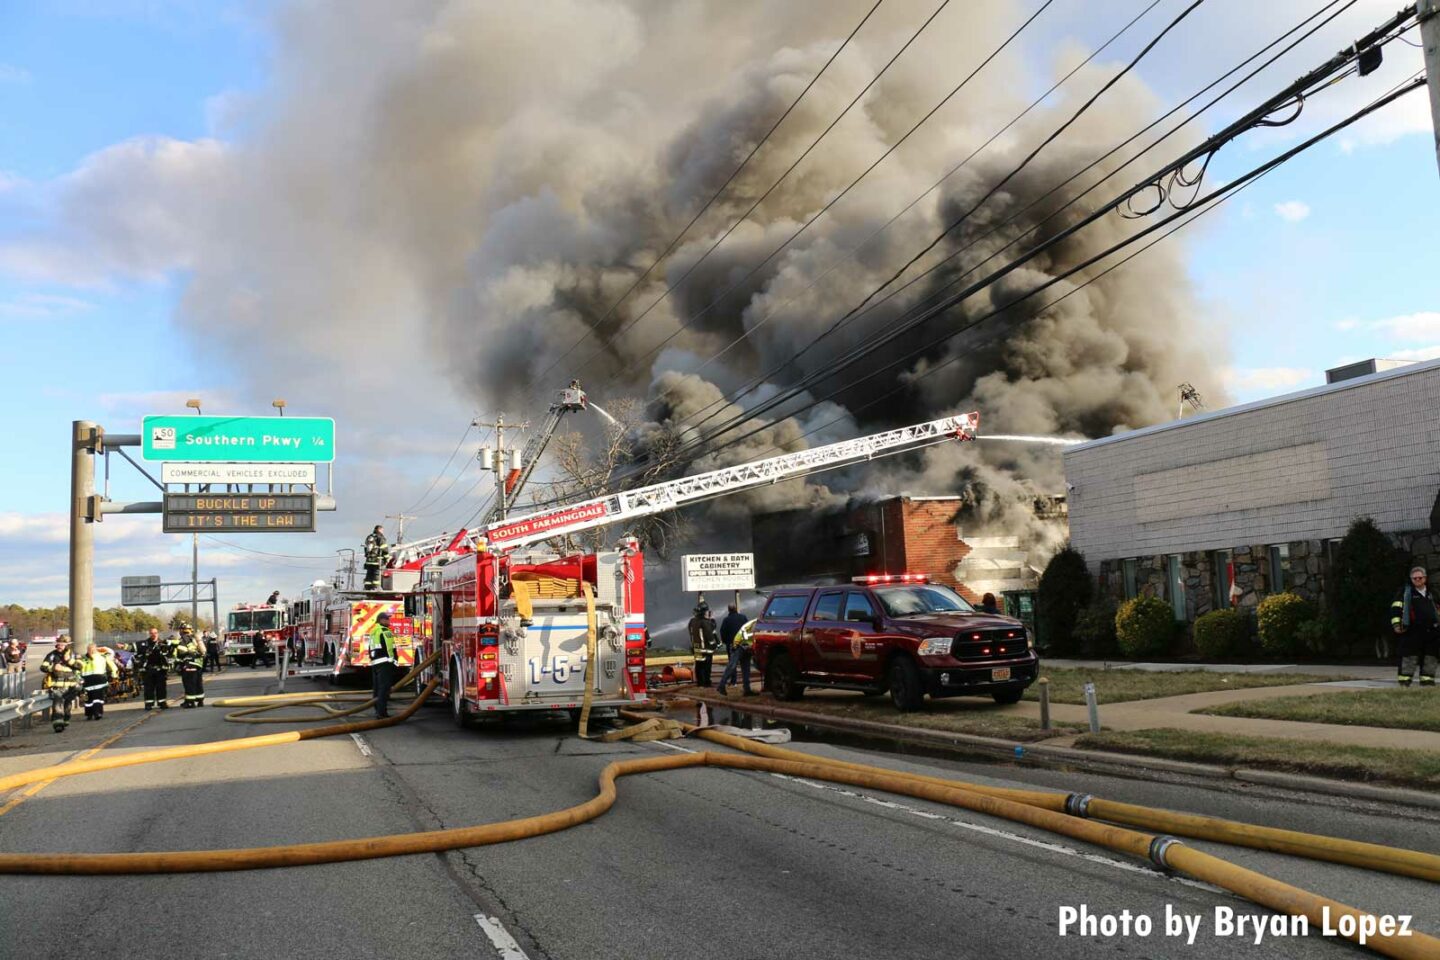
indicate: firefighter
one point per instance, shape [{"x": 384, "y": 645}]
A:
[
  {"x": 212, "y": 651},
  {"x": 703, "y": 641},
  {"x": 382, "y": 664},
  {"x": 1415, "y": 618},
  {"x": 377, "y": 554},
  {"x": 62, "y": 679},
  {"x": 191, "y": 661},
  {"x": 261, "y": 650},
  {"x": 152, "y": 659},
  {"x": 96, "y": 672}
]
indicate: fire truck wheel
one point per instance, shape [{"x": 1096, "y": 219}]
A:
[
  {"x": 905, "y": 689},
  {"x": 458, "y": 711},
  {"x": 782, "y": 679}
]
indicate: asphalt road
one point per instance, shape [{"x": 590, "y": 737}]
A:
[{"x": 690, "y": 864}]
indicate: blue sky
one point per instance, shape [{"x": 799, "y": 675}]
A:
[{"x": 1324, "y": 261}]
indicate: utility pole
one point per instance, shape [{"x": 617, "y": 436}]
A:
[
  {"x": 1428, "y": 13},
  {"x": 86, "y": 439},
  {"x": 195, "y": 583},
  {"x": 495, "y": 460},
  {"x": 399, "y": 519}
]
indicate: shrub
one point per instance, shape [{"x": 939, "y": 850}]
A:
[
  {"x": 1280, "y": 617},
  {"x": 1222, "y": 633},
  {"x": 1368, "y": 571},
  {"x": 1065, "y": 589},
  {"x": 1315, "y": 636},
  {"x": 1095, "y": 629},
  {"x": 1144, "y": 626}
]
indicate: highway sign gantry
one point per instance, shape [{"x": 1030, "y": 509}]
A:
[{"x": 201, "y": 439}]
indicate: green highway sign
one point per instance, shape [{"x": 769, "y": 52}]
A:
[{"x": 199, "y": 439}]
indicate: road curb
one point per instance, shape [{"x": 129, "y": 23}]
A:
[{"x": 1126, "y": 764}]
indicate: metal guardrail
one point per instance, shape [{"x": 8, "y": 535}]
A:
[{"x": 15, "y": 705}]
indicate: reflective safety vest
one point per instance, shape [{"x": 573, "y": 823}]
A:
[
  {"x": 746, "y": 635},
  {"x": 98, "y": 665},
  {"x": 382, "y": 645}
]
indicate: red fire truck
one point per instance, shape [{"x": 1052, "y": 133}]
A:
[{"x": 245, "y": 621}]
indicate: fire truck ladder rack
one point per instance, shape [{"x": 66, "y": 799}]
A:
[
  {"x": 570, "y": 399},
  {"x": 660, "y": 497}
]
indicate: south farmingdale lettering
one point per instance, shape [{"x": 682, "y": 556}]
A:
[{"x": 1228, "y": 923}]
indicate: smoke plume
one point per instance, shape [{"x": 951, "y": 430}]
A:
[{"x": 465, "y": 189}]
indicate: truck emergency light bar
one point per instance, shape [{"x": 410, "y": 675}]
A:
[
  {"x": 661, "y": 497},
  {"x": 892, "y": 578}
]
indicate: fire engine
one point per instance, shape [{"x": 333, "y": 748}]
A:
[
  {"x": 247, "y": 619},
  {"x": 518, "y": 625}
]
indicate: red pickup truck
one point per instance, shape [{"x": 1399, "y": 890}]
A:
[{"x": 898, "y": 633}]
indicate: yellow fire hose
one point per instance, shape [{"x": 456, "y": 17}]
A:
[
  {"x": 1164, "y": 851},
  {"x": 1045, "y": 811},
  {"x": 320, "y": 701},
  {"x": 1355, "y": 853}
]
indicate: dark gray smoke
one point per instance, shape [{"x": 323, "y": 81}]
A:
[{"x": 489, "y": 178}]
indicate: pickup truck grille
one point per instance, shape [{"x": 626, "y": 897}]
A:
[{"x": 988, "y": 644}]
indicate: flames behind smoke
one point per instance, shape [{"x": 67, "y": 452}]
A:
[{"x": 483, "y": 181}]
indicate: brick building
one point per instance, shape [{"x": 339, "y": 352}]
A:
[
  {"x": 1256, "y": 497},
  {"x": 898, "y": 535}
]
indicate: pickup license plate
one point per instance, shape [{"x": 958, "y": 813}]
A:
[{"x": 1000, "y": 673}]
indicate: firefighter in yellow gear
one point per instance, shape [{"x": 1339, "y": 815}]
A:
[
  {"x": 96, "y": 672},
  {"x": 382, "y": 664},
  {"x": 62, "y": 678},
  {"x": 190, "y": 658}
]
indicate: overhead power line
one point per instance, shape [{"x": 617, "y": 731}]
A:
[
  {"x": 1259, "y": 116},
  {"x": 711, "y": 410},
  {"x": 443, "y": 469},
  {"x": 670, "y": 247},
  {"x": 744, "y": 279}
]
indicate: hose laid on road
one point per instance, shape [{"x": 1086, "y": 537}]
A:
[
  {"x": 1164, "y": 851},
  {"x": 1355, "y": 853},
  {"x": 320, "y": 701},
  {"x": 1050, "y": 812}
]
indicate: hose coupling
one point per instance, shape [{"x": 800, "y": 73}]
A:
[
  {"x": 1078, "y": 804},
  {"x": 1158, "y": 848}
]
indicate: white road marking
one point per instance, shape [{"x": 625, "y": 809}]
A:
[
  {"x": 505, "y": 946},
  {"x": 1006, "y": 835},
  {"x": 360, "y": 742},
  {"x": 988, "y": 831}
]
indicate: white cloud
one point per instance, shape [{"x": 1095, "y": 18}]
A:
[
  {"x": 137, "y": 209},
  {"x": 1349, "y": 323},
  {"x": 1412, "y": 326},
  {"x": 1243, "y": 380},
  {"x": 43, "y": 305},
  {"x": 1419, "y": 353},
  {"x": 1292, "y": 211}
]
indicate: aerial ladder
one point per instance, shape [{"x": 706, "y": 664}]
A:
[
  {"x": 569, "y": 400},
  {"x": 671, "y": 494}
]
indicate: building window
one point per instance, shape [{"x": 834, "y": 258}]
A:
[
  {"x": 1223, "y": 578},
  {"x": 1175, "y": 576},
  {"x": 1132, "y": 576},
  {"x": 1279, "y": 566}
]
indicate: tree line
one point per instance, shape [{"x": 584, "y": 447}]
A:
[{"x": 27, "y": 622}]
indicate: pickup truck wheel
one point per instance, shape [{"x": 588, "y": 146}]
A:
[
  {"x": 782, "y": 679},
  {"x": 1008, "y": 696},
  {"x": 905, "y": 689}
]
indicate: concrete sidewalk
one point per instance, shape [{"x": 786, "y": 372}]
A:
[
  {"x": 1370, "y": 672},
  {"x": 1176, "y": 712}
]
